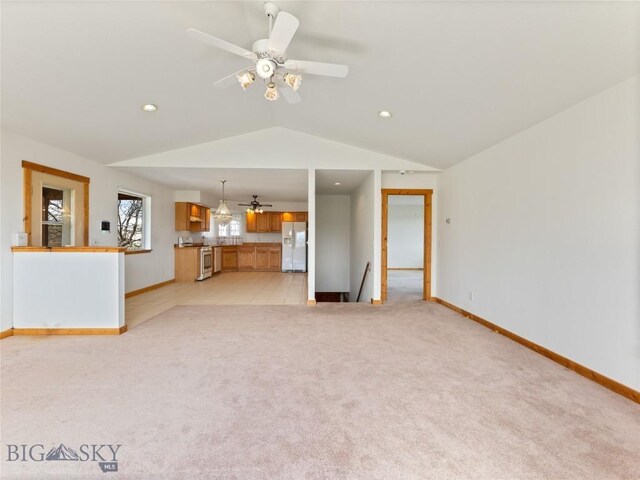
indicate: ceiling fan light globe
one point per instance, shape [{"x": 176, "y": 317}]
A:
[
  {"x": 246, "y": 79},
  {"x": 272, "y": 92},
  {"x": 293, "y": 80}
]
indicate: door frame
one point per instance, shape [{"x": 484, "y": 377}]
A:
[{"x": 426, "y": 267}]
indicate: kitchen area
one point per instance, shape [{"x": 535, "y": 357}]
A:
[{"x": 253, "y": 241}]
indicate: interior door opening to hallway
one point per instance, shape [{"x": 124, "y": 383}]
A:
[{"x": 406, "y": 245}]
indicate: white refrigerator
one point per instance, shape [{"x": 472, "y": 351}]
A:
[{"x": 294, "y": 246}]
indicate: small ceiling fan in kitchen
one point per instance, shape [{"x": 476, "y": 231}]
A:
[
  {"x": 255, "y": 206},
  {"x": 269, "y": 59}
]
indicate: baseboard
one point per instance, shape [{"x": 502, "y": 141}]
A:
[
  {"x": 148, "y": 289},
  {"x": 376, "y": 302},
  {"x": 311, "y": 302},
  {"x": 6, "y": 333},
  {"x": 69, "y": 331},
  {"x": 606, "y": 382}
]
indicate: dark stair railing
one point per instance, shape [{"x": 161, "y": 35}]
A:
[{"x": 364, "y": 277}]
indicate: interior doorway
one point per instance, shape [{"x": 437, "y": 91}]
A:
[{"x": 406, "y": 266}]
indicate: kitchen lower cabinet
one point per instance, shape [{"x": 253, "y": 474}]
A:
[
  {"x": 246, "y": 257},
  {"x": 229, "y": 259},
  {"x": 275, "y": 257},
  {"x": 259, "y": 257}
]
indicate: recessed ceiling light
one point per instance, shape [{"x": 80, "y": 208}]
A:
[
  {"x": 149, "y": 107},
  {"x": 337, "y": 183},
  {"x": 385, "y": 114}
]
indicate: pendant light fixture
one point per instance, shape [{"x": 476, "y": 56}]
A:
[{"x": 223, "y": 215}]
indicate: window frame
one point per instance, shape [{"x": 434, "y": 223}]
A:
[{"x": 146, "y": 220}]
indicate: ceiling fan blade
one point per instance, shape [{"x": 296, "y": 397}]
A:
[
  {"x": 283, "y": 30},
  {"x": 289, "y": 94},
  {"x": 266, "y": 205},
  {"x": 229, "y": 80},
  {"x": 245, "y": 205},
  {"x": 317, "y": 68},
  {"x": 219, "y": 43}
]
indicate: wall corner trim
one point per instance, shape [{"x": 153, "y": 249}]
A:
[
  {"x": 6, "y": 333},
  {"x": 376, "y": 302},
  {"x": 596, "y": 377},
  {"x": 311, "y": 302}
]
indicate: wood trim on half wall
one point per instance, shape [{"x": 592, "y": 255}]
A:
[
  {"x": 133, "y": 293},
  {"x": 592, "y": 375},
  {"x": 426, "y": 278}
]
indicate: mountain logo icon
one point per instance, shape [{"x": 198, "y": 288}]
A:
[{"x": 62, "y": 453}]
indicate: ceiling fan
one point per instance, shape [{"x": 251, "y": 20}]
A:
[
  {"x": 255, "y": 206},
  {"x": 269, "y": 60}
]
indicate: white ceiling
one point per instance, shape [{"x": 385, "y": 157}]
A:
[
  {"x": 458, "y": 76},
  {"x": 349, "y": 181}
]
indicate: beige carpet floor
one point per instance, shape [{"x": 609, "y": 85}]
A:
[{"x": 338, "y": 391}]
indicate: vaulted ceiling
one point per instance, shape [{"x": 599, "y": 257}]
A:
[{"x": 458, "y": 76}]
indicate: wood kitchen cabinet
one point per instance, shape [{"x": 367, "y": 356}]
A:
[
  {"x": 275, "y": 221},
  {"x": 246, "y": 257},
  {"x": 230, "y": 258},
  {"x": 192, "y": 217},
  {"x": 187, "y": 264},
  {"x": 275, "y": 257},
  {"x": 261, "y": 261},
  {"x": 263, "y": 223},
  {"x": 259, "y": 257},
  {"x": 294, "y": 216},
  {"x": 251, "y": 222}
]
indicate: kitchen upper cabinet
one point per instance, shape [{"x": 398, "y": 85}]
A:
[
  {"x": 192, "y": 217},
  {"x": 251, "y": 222},
  {"x": 294, "y": 216},
  {"x": 288, "y": 217},
  {"x": 275, "y": 219},
  {"x": 263, "y": 222}
]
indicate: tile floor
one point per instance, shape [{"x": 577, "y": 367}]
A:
[{"x": 226, "y": 288}]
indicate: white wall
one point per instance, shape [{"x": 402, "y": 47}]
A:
[
  {"x": 405, "y": 236},
  {"x": 545, "y": 231},
  {"x": 362, "y": 238},
  {"x": 333, "y": 214},
  {"x": 141, "y": 270}
]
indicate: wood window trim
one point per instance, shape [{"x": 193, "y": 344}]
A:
[
  {"x": 428, "y": 197},
  {"x": 28, "y": 169},
  {"x": 135, "y": 252}
]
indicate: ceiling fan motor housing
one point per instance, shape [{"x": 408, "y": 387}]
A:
[{"x": 265, "y": 68}]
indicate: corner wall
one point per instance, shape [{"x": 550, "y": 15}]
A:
[
  {"x": 545, "y": 231},
  {"x": 362, "y": 239},
  {"x": 141, "y": 270}
]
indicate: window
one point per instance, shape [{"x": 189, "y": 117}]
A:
[
  {"x": 55, "y": 206},
  {"x": 132, "y": 220},
  {"x": 233, "y": 229},
  {"x": 56, "y": 215}
]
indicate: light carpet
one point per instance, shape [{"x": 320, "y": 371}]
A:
[{"x": 337, "y": 391}]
